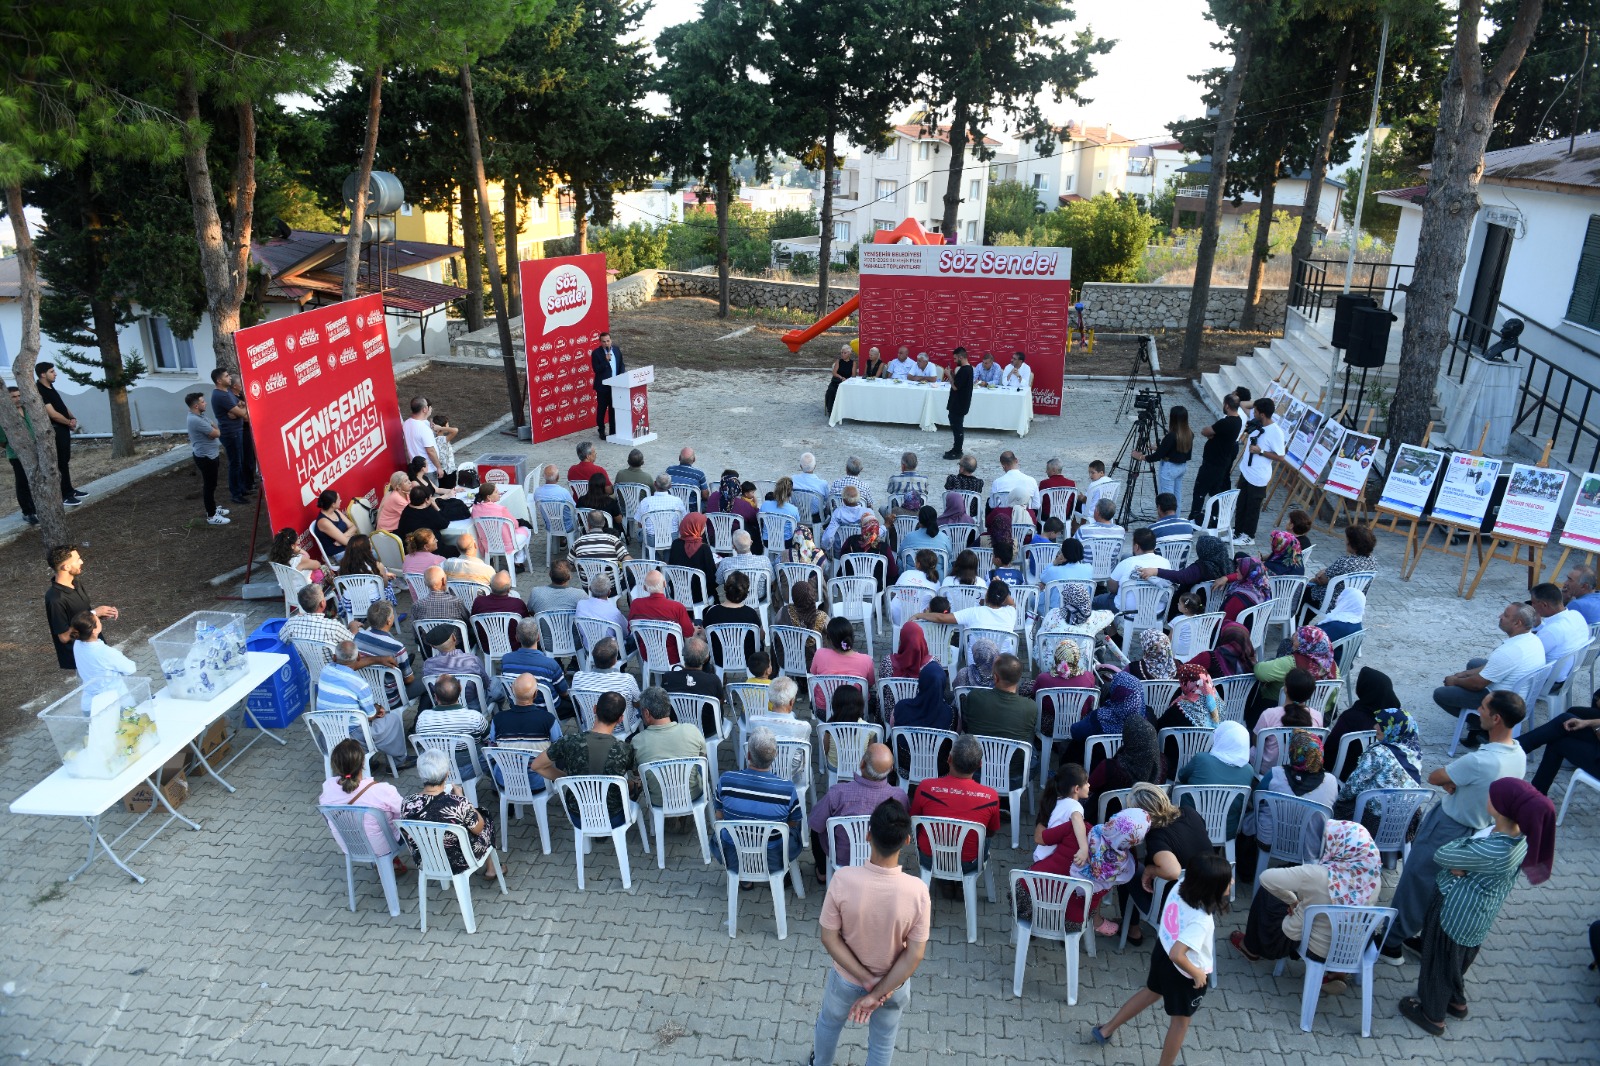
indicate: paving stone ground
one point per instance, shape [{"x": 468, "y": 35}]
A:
[{"x": 240, "y": 947}]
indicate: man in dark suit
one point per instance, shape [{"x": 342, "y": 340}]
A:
[
  {"x": 607, "y": 362},
  {"x": 960, "y": 401}
]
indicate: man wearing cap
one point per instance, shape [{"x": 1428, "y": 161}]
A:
[{"x": 448, "y": 657}]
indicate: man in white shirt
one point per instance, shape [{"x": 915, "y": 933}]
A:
[
  {"x": 901, "y": 365},
  {"x": 419, "y": 434},
  {"x": 924, "y": 372},
  {"x": 661, "y": 499},
  {"x": 1120, "y": 598},
  {"x": 1262, "y": 445},
  {"x": 1019, "y": 375},
  {"x": 1519, "y": 655},
  {"x": 1562, "y": 631},
  {"x": 1013, "y": 478},
  {"x": 1098, "y": 480}
]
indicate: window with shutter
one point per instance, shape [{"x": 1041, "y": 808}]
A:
[{"x": 1584, "y": 306}]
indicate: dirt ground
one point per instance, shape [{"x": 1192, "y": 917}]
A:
[
  {"x": 1115, "y": 355},
  {"x": 92, "y": 459}
]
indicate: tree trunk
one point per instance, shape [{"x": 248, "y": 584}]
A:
[
  {"x": 497, "y": 290},
  {"x": 724, "y": 194},
  {"x": 1258, "y": 254},
  {"x": 958, "y": 158},
  {"x": 450, "y": 236},
  {"x": 580, "y": 218},
  {"x": 513, "y": 280},
  {"x": 1318, "y": 170},
  {"x": 358, "y": 213},
  {"x": 1466, "y": 113},
  {"x": 224, "y": 261},
  {"x": 825, "y": 235},
  {"x": 103, "y": 318},
  {"x": 36, "y": 453},
  {"x": 1221, "y": 146},
  {"x": 473, "y": 249}
]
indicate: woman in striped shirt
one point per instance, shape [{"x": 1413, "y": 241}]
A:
[{"x": 1475, "y": 876}]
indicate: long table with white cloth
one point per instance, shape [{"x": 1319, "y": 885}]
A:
[
  {"x": 179, "y": 725},
  {"x": 880, "y": 400}
]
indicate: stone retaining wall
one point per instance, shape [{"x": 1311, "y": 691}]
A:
[
  {"x": 754, "y": 293},
  {"x": 1132, "y": 308}
]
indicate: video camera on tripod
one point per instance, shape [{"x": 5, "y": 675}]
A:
[{"x": 1147, "y": 402}]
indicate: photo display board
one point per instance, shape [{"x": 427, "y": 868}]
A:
[
  {"x": 1464, "y": 494},
  {"x": 1323, "y": 447},
  {"x": 1582, "y": 528},
  {"x": 1350, "y": 466},
  {"x": 1531, "y": 503}
]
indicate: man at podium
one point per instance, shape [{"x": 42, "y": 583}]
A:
[{"x": 607, "y": 363}]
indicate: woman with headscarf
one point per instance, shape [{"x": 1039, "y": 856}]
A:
[
  {"x": 1346, "y": 875},
  {"x": 1348, "y": 613},
  {"x": 1374, "y": 693},
  {"x": 1303, "y": 776},
  {"x": 1068, "y": 670},
  {"x": 1076, "y": 614},
  {"x": 1111, "y": 862},
  {"x": 980, "y": 673},
  {"x": 1244, "y": 588},
  {"x": 689, "y": 548},
  {"x": 928, "y": 709},
  {"x": 1196, "y": 705},
  {"x": 726, "y": 493},
  {"x": 1395, "y": 761},
  {"x": 1310, "y": 650},
  {"x": 1155, "y": 658},
  {"x": 1283, "y": 558},
  {"x": 999, "y": 521},
  {"x": 955, "y": 510},
  {"x": 1211, "y": 561},
  {"x": 1137, "y": 760},
  {"x": 927, "y": 534},
  {"x": 1227, "y": 763},
  {"x": 801, "y": 610},
  {"x": 1475, "y": 874},
  {"x": 805, "y": 549},
  {"x": 870, "y": 542},
  {"x": 1233, "y": 654},
  {"x": 913, "y": 653}
]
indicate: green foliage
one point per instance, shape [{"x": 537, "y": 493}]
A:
[
  {"x": 1009, "y": 240},
  {"x": 1394, "y": 166},
  {"x": 803, "y": 265},
  {"x": 1107, "y": 235},
  {"x": 789, "y": 222},
  {"x": 629, "y": 249},
  {"x": 1012, "y": 208},
  {"x": 1177, "y": 251}
]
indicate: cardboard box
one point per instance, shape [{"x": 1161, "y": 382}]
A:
[
  {"x": 214, "y": 743},
  {"x": 174, "y": 786}
]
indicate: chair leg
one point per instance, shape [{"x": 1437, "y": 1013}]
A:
[
  {"x": 1310, "y": 992},
  {"x": 970, "y": 893},
  {"x": 1368, "y": 958},
  {"x": 580, "y": 844},
  {"x": 1016, "y": 819},
  {"x": 1071, "y": 947},
  {"x": 620, "y": 839},
  {"x": 1024, "y": 934},
  {"x": 1127, "y": 921},
  {"x": 541, "y": 812},
  {"x": 700, "y": 817},
  {"x": 350, "y": 872},
  {"x": 1461, "y": 722},
  {"x": 422, "y": 897},
  {"x": 797, "y": 878},
  {"x": 1044, "y": 760},
  {"x": 644, "y": 834},
  {"x": 661, "y": 837},
  {"x": 733, "y": 904},
  {"x": 504, "y": 831},
  {"x": 779, "y": 911},
  {"x": 463, "y": 885},
  {"x": 1560, "y": 817},
  {"x": 391, "y": 889}
]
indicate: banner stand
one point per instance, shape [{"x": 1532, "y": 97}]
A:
[
  {"x": 1535, "y": 561},
  {"x": 1473, "y": 533},
  {"x": 1396, "y": 517}
]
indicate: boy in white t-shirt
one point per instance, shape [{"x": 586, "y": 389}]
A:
[{"x": 1182, "y": 959}]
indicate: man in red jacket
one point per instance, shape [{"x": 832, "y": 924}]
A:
[{"x": 657, "y": 606}]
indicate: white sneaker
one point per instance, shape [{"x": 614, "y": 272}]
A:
[
  {"x": 218, "y": 519},
  {"x": 1243, "y": 541},
  {"x": 224, "y": 512}
]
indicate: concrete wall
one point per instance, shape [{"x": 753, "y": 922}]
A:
[
  {"x": 1132, "y": 308},
  {"x": 753, "y": 293}
]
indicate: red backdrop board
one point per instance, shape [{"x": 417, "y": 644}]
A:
[
  {"x": 564, "y": 311},
  {"x": 1002, "y": 300},
  {"x": 320, "y": 388}
]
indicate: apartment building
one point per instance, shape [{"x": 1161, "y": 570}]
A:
[
  {"x": 877, "y": 190},
  {"x": 1086, "y": 161},
  {"x": 1151, "y": 166}
]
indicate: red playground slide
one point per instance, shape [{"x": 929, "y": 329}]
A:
[{"x": 908, "y": 232}]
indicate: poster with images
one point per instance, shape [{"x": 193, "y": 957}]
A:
[
  {"x": 1411, "y": 480},
  {"x": 564, "y": 313},
  {"x": 1323, "y": 447},
  {"x": 1464, "y": 493},
  {"x": 1531, "y": 504},
  {"x": 1348, "y": 475},
  {"x": 1301, "y": 433},
  {"x": 1582, "y": 528},
  {"x": 1277, "y": 394}
]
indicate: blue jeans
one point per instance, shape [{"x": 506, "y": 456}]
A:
[
  {"x": 241, "y": 464},
  {"x": 882, "y": 1027},
  {"x": 1169, "y": 478}
]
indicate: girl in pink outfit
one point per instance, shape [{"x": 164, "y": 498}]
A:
[{"x": 351, "y": 786}]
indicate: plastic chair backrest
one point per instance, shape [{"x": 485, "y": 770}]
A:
[
  {"x": 1400, "y": 806},
  {"x": 891, "y": 690},
  {"x": 745, "y": 698},
  {"x": 629, "y": 493},
  {"x": 291, "y": 581},
  {"x": 472, "y": 694},
  {"x": 821, "y": 687},
  {"x": 493, "y": 630},
  {"x": 857, "y": 849},
  {"x": 1297, "y": 826},
  {"x": 1279, "y": 735},
  {"x": 911, "y": 599},
  {"x": 360, "y": 590},
  {"x": 659, "y": 529},
  {"x": 1354, "y": 929},
  {"x": 1193, "y": 634},
  {"x": 1286, "y": 592},
  {"x": 750, "y": 840},
  {"x": 947, "y": 838},
  {"x": 866, "y": 564},
  {"x": 791, "y": 642},
  {"x": 1066, "y": 706},
  {"x": 496, "y": 536},
  {"x": 1050, "y": 895},
  {"x": 416, "y": 584},
  {"x": 727, "y": 640},
  {"x": 1104, "y": 553},
  {"x": 349, "y": 824},
  {"x": 1255, "y": 619},
  {"x": 589, "y": 569},
  {"x": 329, "y": 728},
  {"x": 583, "y": 701},
  {"x": 1118, "y": 796},
  {"x": 777, "y": 529},
  {"x": 429, "y": 839},
  {"x": 676, "y": 778},
  {"x": 941, "y": 638},
  {"x": 388, "y": 685},
  {"x": 1234, "y": 692},
  {"x": 999, "y": 755},
  {"x": 559, "y": 516},
  {"x": 557, "y": 632},
  {"x": 466, "y": 591},
  {"x": 687, "y": 585},
  {"x": 588, "y": 793},
  {"x": 1217, "y": 513},
  {"x": 688, "y": 495},
  {"x": 849, "y": 742},
  {"x": 1002, "y": 639},
  {"x": 794, "y": 756},
  {"x": 1058, "y": 502},
  {"x": 423, "y": 626},
  {"x": 1175, "y": 550},
  {"x": 922, "y": 747},
  {"x": 1190, "y": 743},
  {"x": 1216, "y": 804},
  {"x": 1108, "y": 743},
  {"x": 591, "y": 631},
  {"x": 512, "y": 762},
  {"x": 720, "y": 527},
  {"x": 1040, "y": 555},
  {"x": 808, "y": 503},
  {"x": 791, "y": 574},
  {"x": 1158, "y": 695},
  {"x": 962, "y": 597},
  {"x": 448, "y": 743},
  {"x": 974, "y": 503},
  {"x": 690, "y": 708}
]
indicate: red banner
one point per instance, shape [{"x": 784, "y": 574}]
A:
[
  {"x": 564, "y": 311},
  {"x": 999, "y": 300},
  {"x": 321, "y": 393}
]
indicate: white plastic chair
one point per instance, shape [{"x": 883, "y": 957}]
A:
[
  {"x": 350, "y": 825},
  {"x": 688, "y": 586},
  {"x": 502, "y": 538},
  {"x": 1192, "y": 634},
  {"x": 1049, "y": 896},
  {"x": 1255, "y": 619},
  {"x": 1399, "y": 807},
  {"x": 790, "y": 643},
  {"x": 1190, "y": 741},
  {"x": 1325, "y": 698},
  {"x": 854, "y": 827},
  {"x": 794, "y": 764},
  {"x": 1103, "y": 553},
  {"x": 588, "y": 793},
  {"x": 1004, "y": 640},
  {"x": 749, "y": 840},
  {"x": 590, "y": 632},
  {"x": 659, "y": 645},
  {"x": 1216, "y": 514},
  {"x": 1065, "y": 706},
  {"x": 1579, "y": 777},
  {"x": 1357, "y": 934},
  {"x": 728, "y": 642},
  {"x": 868, "y": 565},
  {"x": 1347, "y": 653},
  {"x": 657, "y": 532},
  {"x": 905, "y": 601},
  {"x": 808, "y": 503},
  {"x": 1132, "y": 915},
  {"x": 792, "y": 574},
  {"x": 291, "y": 581},
  {"x": 1175, "y": 550},
  {"x": 388, "y": 686},
  {"x": 1107, "y": 743},
  {"x": 1118, "y": 796},
  {"x": 466, "y": 591},
  {"x": 315, "y": 654},
  {"x": 429, "y": 839},
  {"x": 777, "y": 530},
  {"x": 720, "y": 528},
  {"x": 560, "y": 521},
  {"x": 1058, "y": 502},
  {"x": 329, "y": 728},
  {"x": 1528, "y": 688},
  {"x": 1040, "y": 554},
  {"x": 690, "y": 707},
  {"x": 962, "y": 535},
  {"x": 1149, "y": 612},
  {"x": 422, "y": 626},
  {"x": 629, "y": 495},
  {"x": 1234, "y": 691},
  {"x": 1279, "y": 735},
  {"x": 962, "y": 596},
  {"x": 943, "y": 641},
  {"x": 921, "y": 746},
  {"x": 1158, "y": 695},
  {"x": 1216, "y": 805},
  {"x": 1336, "y": 585},
  {"x": 675, "y": 779},
  {"x": 999, "y": 756},
  {"x": 855, "y": 599},
  {"x": 1287, "y": 592},
  {"x": 848, "y": 742},
  {"x": 472, "y": 691},
  {"x": 819, "y": 690},
  {"x": 891, "y": 690},
  {"x": 492, "y": 631},
  {"x": 589, "y": 569},
  {"x": 1297, "y": 826},
  {"x": 1365, "y": 737},
  {"x": 449, "y": 744},
  {"x": 947, "y": 838},
  {"x": 509, "y": 762},
  {"x": 416, "y": 585}
]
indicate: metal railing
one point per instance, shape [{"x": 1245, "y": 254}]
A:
[
  {"x": 1318, "y": 282},
  {"x": 1306, "y": 290}
]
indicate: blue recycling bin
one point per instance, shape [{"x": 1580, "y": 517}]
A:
[{"x": 281, "y": 698}]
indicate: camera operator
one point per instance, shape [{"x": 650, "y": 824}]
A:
[
  {"x": 1171, "y": 457},
  {"x": 1216, "y": 458},
  {"x": 1262, "y": 445}
]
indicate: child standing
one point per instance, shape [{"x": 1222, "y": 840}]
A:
[
  {"x": 1475, "y": 876},
  {"x": 1181, "y": 961}
]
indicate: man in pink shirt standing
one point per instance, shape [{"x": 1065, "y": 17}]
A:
[{"x": 875, "y": 927}]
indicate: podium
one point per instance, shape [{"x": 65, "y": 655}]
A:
[{"x": 629, "y": 395}]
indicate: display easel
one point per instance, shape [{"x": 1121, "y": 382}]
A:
[
  {"x": 1535, "y": 560},
  {"x": 1311, "y": 491},
  {"x": 1451, "y": 529},
  {"x": 1561, "y": 563},
  {"x": 1351, "y": 510},
  {"x": 1396, "y": 517}
]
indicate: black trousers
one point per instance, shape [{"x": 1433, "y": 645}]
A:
[
  {"x": 208, "y": 481},
  {"x": 24, "y": 493},
  {"x": 1248, "y": 516},
  {"x": 1445, "y": 963},
  {"x": 64, "y": 459},
  {"x": 1208, "y": 481},
  {"x": 958, "y": 427},
  {"x": 240, "y": 447},
  {"x": 605, "y": 413}
]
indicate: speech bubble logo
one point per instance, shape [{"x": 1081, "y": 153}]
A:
[{"x": 565, "y": 296}]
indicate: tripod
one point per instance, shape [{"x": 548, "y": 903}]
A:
[{"x": 1150, "y": 423}]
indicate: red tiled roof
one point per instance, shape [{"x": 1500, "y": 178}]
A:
[
  {"x": 942, "y": 133},
  {"x": 1070, "y": 198},
  {"x": 1095, "y": 135},
  {"x": 1415, "y": 194}
]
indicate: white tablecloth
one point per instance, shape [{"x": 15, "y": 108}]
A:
[{"x": 876, "y": 400}]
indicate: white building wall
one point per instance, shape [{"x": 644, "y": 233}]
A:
[{"x": 903, "y": 195}]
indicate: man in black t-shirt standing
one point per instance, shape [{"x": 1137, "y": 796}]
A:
[
  {"x": 65, "y": 600},
  {"x": 960, "y": 401},
  {"x": 62, "y": 422},
  {"x": 1216, "y": 460},
  {"x": 233, "y": 419}
]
